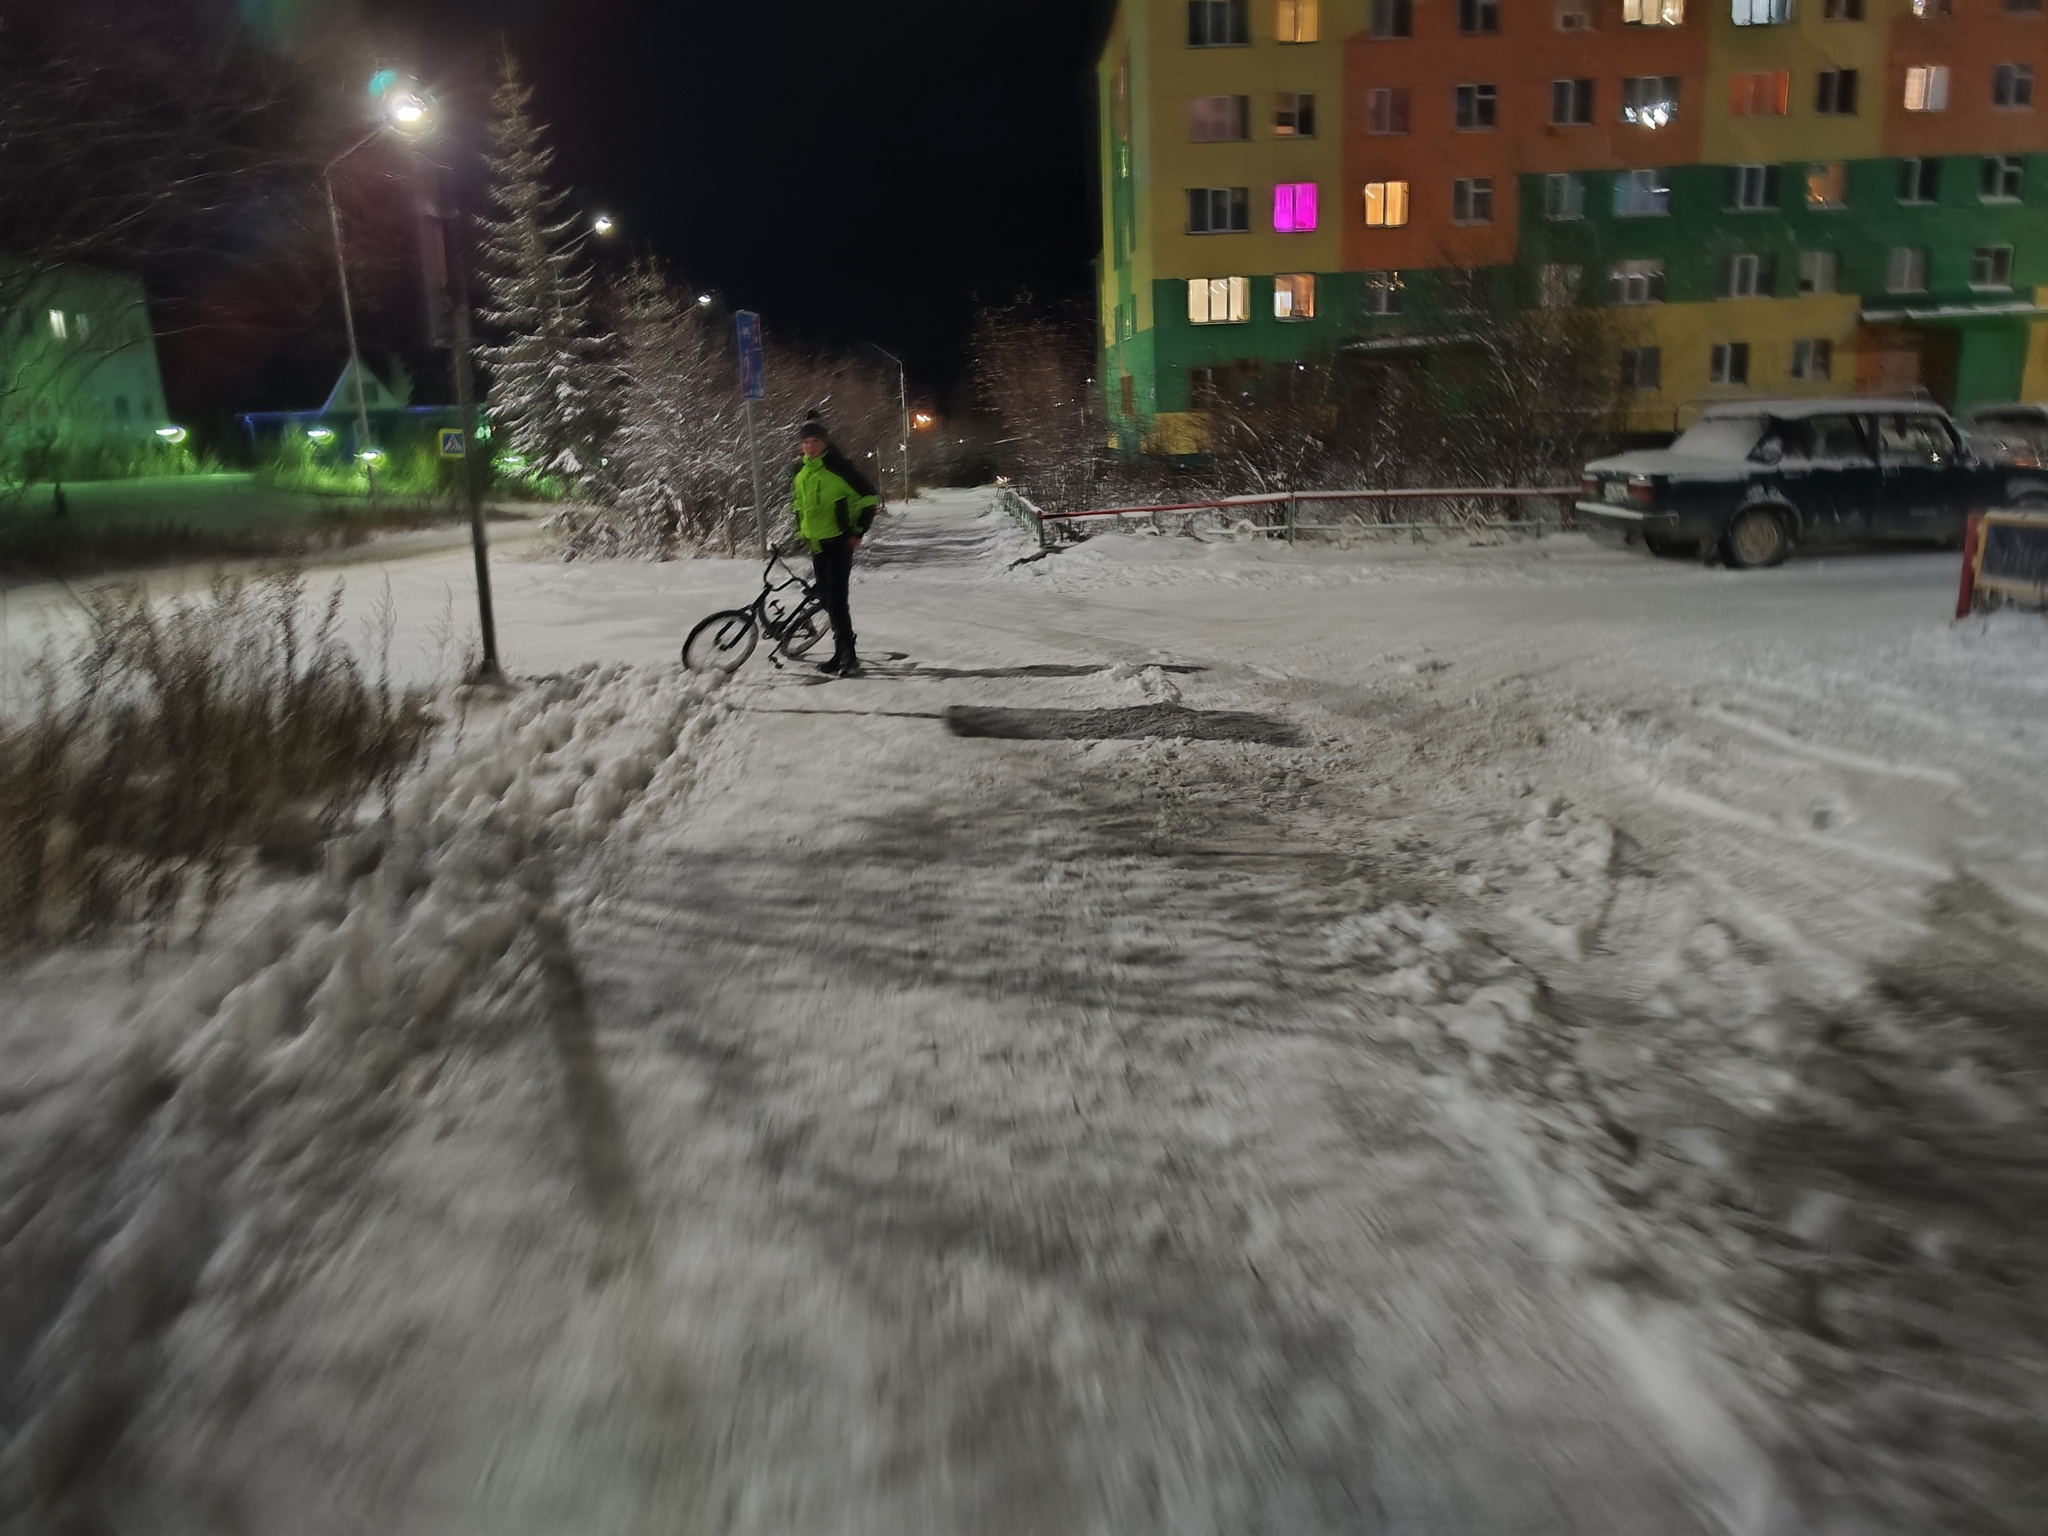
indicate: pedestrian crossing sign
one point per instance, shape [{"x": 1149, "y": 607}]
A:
[{"x": 452, "y": 446}]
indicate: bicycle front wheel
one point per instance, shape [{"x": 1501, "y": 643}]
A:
[{"x": 723, "y": 642}]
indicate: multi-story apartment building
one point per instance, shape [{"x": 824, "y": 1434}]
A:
[{"x": 1793, "y": 196}]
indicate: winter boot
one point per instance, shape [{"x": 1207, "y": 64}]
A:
[
  {"x": 836, "y": 666},
  {"x": 850, "y": 667}
]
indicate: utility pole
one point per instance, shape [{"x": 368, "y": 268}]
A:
[
  {"x": 753, "y": 386},
  {"x": 903, "y": 401}
]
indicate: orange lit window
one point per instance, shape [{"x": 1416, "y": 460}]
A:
[
  {"x": 1927, "y": 88},
  {"x": 1827, "y": 184},
  {"x": 1759, "y": 93},
  {"x": 1386, "y": 204},
  {"x": 1296, "y": 21}
]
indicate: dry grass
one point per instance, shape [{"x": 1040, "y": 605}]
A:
[{"x": 180, "y": 738}]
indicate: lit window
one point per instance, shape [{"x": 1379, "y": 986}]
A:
[
  {"x": 1393, "y": 18},
  {"x": 1749, "y": 277},
  {"x": 1383, "y": 293},
  {"x": 1927, "y": 88},
  {"x": 1636, "y": 282},
  {"x": 58, "y": 327},
  {"x": 1218, "y": 24},
  {"x": 1571, "y": 103},
  {"x": 1219, "y": 119},
  {"x": 1819, "y": 271},
  {"x": 1294, "y": 208},
  {"x": 1386, "y": 110},
  {"x": 1472, "y": 200},
  {"x": 1842, "y": 10},
  {"x": 1219, "y": 300},
  {"x": 1928, "y": 8},
  {"x": 1297, "y": 21},
  {"x": 1759, "y": 93},
  {"x": 1219, "y": 210},
  {"x": 2002, "y": 178},
  {"x": 1564, "y": 196},
  {"x": 1653, "y": 13},
  {"x": 1574, "y": 15},
  {"x": 1386, "y": 204},
  {"x": 1649, "y": 101},
  {"x": 1478, "y": 15},
  {"x": 1991, "y": 266},
  {"x": 1476, "y": 107},
  {"x": 1813, "y": 361},
  {"x": 1827, "y": 184},
  {"x": 1641, "y": 195},
  {"x": 1729, "y": 364},
  {"x": 1295, "y": 117},
  {"x": 1835, "y": 93},
  {"x": 1558, "y": 286},
  {"x": 1906, "y": 271},
  {"x": 1761, "y": 13},
  {"x": 1642, "y": 368},
  {"x": 1294, "y": 296},
  {"x": 1919, "y": 181},
  {"x": 2012, "y": 86},
  {"x": 1752, "y": 188}
]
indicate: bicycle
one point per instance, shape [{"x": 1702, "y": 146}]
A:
[{"x": 723, "y": 642}]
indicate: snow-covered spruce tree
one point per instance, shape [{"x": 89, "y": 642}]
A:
[
  {"x": 546, "y": 361},
  {"x": 678, "y": 452}
]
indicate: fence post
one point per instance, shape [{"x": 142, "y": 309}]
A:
[{"x": 1290, "y": 518}]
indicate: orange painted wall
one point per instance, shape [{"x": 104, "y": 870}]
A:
[
  {"x": 1977, "y": 37},
  {"x": 1521, "y": 61}
]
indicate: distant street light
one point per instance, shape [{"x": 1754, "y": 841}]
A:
[
  {"x": 704, "y": 301},
  {"x": 603, "y": 225},
  {"x": 172, "y": 434}
]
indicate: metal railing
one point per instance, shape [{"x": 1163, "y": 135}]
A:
[
  {"x": 1020, "y": 507},
  {"x": 1290, "y": 503}
]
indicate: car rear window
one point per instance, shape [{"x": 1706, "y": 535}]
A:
[{"x": 1720, "y": 437}]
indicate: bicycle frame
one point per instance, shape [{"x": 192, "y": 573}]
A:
[{"x": 776, "y": 626}]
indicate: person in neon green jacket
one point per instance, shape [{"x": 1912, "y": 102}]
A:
[{"x": 834, "y": 503}]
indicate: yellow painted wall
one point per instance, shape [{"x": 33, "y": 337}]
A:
[
  {"x": 1176, "y": 73},
  {"x": 1806, "y": 45},
  {"x": 1686, "y": 334},
  {"x": 2034, "y": 382}
]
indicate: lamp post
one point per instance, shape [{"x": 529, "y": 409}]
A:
[
  {"x": 348, "y": 320},
  {"x": 903, "y": 401},
  {"x": 402, "y": 108}
]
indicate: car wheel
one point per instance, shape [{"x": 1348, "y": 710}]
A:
[{"x": 1756, "y": 538}]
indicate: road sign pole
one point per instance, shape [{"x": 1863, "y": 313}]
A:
[
  {"x": 753, "y": 387},
  {"x": 760, "y": 505}
]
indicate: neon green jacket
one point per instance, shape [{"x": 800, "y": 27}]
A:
[{"x": 826, "y": 506}]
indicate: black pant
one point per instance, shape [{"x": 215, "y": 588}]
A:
[{"x": 832, "y": 573}]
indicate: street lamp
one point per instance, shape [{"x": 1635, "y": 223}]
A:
[
  {"x": 903, "y": 401},
  {"x": 400, "y": 106},
  {"x": 396, "y": 107},
  {"x": 603, "y": 225}
]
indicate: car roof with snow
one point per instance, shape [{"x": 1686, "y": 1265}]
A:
[{"x": 1798, "y": 410}]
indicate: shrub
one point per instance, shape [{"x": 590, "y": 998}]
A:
[{"x": 177, "y": 738}]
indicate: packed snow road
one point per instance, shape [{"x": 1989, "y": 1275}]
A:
[{"x": 1202, "y": 1038}]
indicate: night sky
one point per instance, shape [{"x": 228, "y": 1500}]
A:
[{"x": 854, "y": 169}]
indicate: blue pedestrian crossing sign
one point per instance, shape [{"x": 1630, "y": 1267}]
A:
[
  {"x": 453, "y": 445},
  {"x": 753, "y": 367}
]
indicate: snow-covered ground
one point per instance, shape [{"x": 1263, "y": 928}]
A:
[{"x": 1205, "y": 1037}]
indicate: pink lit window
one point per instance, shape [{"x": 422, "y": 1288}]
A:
[{"x": 1294, "y": 208}]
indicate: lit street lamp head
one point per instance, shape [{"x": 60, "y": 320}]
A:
[
  {"x": 604, "y": 224},
  {"x": 400, "y": 104}
]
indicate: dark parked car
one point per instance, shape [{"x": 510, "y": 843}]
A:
[
  {"x": 1747, "y": 482},
  {"x": 2015, "y": 435}
]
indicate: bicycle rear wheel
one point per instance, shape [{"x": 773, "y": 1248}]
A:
[
  {"x": 809, "y": 627},
  {"x": 723, "y": 642}
]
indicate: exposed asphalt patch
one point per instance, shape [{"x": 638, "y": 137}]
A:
[{"x": 1120, "y": 724}]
